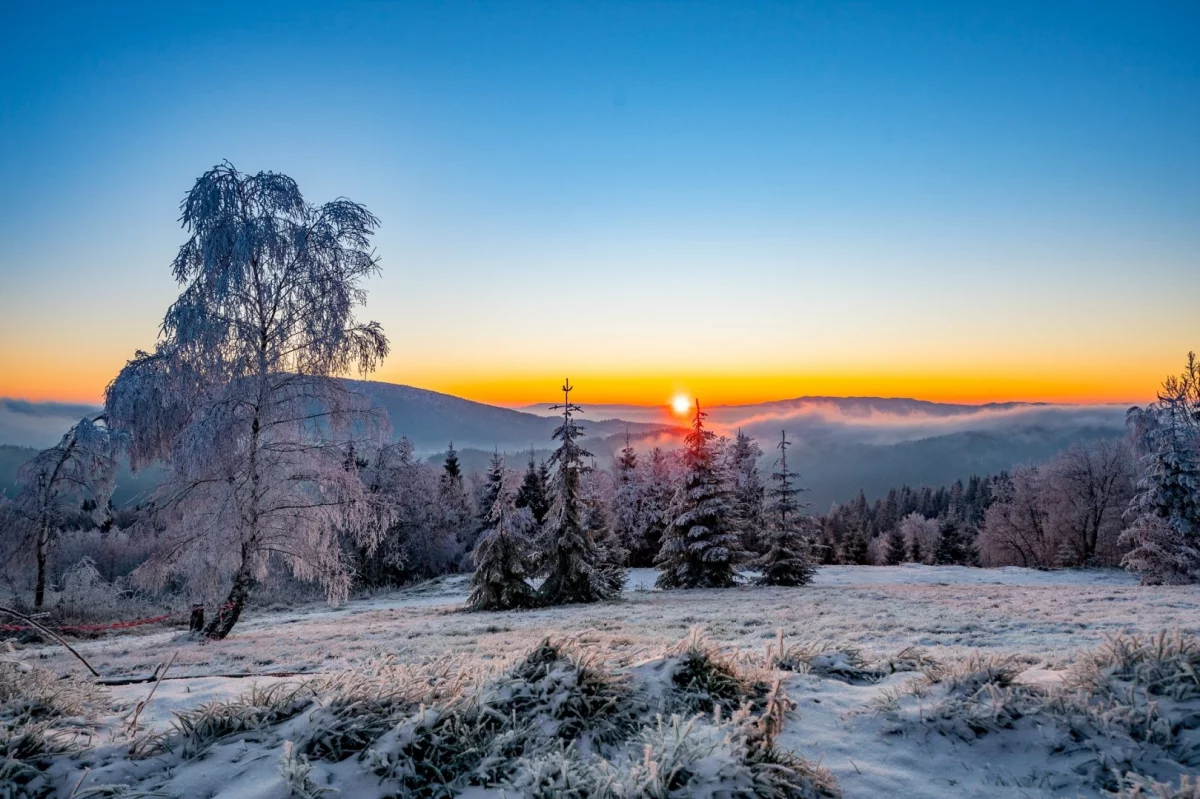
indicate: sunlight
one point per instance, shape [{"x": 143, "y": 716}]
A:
[{"x": 680, "y": 404}]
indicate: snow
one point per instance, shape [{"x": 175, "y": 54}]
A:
[{"x": 1044, "y": 619}]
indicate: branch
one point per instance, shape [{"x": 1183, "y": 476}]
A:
[{"x": 51, "y": 634}]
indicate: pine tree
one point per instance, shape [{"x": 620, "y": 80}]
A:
[
  {"x": 572, "y": 559},
  {"x": 788, "y": 560},
  {"x": 747, "y": 493},
  {"x": 700, "y": 546},
  {"x": 611, "y": 553},
  {"x": 916, "y": 554},
  {"x": 955, "y": 545},
  {"x": 855, "y": 549},
  {"x": 894, "y": 555},
  {"x": 627, "y": 521},
  {"x": 500, "y": 556},
  {"x": 532, "y": 493},
  {"x": 656, "y": 509},
  {"x": 490, "y": 493},
  {"x": 454, "y": 508},
  {"x": 1165, "y": 535}
]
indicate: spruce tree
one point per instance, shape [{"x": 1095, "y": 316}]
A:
[
  {"x": 572, "y": 565},
  {"x": 788, "y": 560},
  {"x": 490, "y": 493},
  {"x": 454, "y": 508},
  {"x": 627, "y": 514},
  {"x": 895, "y": 552},
  {"x": 656, "y": 510},
  {"x": 956, "y": 546},
  {"x": 501, "y": 555},
  {"x": 747, "y": 493},
  {"x": 611, "y": 554},
  {"x": 532, "y": 493},
  {"x": 916, "y": 555},
  {"x": 700, "y": 546},
  {"x": 855, "y": 549},
  {"x": 1164, "y": 538}
]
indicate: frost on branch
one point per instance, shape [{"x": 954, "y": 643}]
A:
[
  {"x": 51, "y": 486},
  {"x": 240, "y": 398}
]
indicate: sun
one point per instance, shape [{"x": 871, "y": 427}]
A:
[{"x": 680, "y": 404}]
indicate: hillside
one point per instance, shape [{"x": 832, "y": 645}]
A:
[{"x": 431, "y": 419}]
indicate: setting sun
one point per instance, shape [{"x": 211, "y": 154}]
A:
[{"x": 680, "y": 404}]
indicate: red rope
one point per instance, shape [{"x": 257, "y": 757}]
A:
[{"x": 116, "y": 625}]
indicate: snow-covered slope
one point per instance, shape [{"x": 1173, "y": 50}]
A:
[{"x": 884, "y": 734}]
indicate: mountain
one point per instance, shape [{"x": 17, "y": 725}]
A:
[{"x": 431, "y": 420}]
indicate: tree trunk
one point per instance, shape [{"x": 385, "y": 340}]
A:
[
  {"x": 227, "y": 616},
  {"x": 39, "y": 593}
]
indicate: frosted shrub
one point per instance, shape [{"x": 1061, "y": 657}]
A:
[
  {"x": 1129, "y": 707},
  {"x": 561, "y": 694},
  {"x": 703, "y": 679},
  {"x": 354, "y": 708},
  {"x": 561, "y": 773},
  {"x": 692, "y": 758},
  {"x": 968, "y": 677},
  {"x": 822, "y": 659},
  {"x": 430, "y": 753},
  {"x": 1163, "y": 665}
]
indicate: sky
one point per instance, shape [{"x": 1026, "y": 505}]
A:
[{"x": 965, "y": 202}]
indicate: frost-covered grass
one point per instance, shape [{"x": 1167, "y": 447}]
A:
[
  {"x": 904, "y": 680},
  {"x": 41, "y": 716}
]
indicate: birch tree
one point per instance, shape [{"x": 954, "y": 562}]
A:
[
  {"x": 54, "y": 484},
  {"x": 240, "y": 397}
]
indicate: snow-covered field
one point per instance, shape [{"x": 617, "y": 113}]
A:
[{"x": 876, "y": 736}]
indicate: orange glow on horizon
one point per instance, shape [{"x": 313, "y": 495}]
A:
[{"x": 30, "y": 379}]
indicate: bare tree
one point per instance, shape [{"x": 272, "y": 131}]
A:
[
  {"x": 1086, "y": 489},
  {"x": 73, "y": 476},
  {"x": 1016, "y": 529},
  {"x": 1066, "y": 512},
  {"x": 240, "y": 398}
]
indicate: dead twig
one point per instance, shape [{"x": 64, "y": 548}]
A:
[
  {"x": 51, "y": 634},
  {"x": 141, "y": 705}
]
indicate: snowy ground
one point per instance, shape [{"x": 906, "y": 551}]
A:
[{"x": 1043, "y": 619}]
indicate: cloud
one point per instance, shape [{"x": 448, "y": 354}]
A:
[
  {"x": 38, "y": 424},
  {"x": 894, "y": 421}
]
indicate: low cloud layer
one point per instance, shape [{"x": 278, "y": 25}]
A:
[
  {"x": 38, "y": 424},
  {"x": 874, "y": 422}
]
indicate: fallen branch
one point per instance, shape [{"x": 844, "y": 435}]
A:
[
  {"x": 50, "y": 634},
  {"x": 232, "y": 676}
]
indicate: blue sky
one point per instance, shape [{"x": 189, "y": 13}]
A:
[{"x": 780, "y": 192}]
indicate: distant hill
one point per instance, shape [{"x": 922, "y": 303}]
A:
[
  {"x": 130, "y": 487},
  {"x": 835, "y": 471},
  {"x": 431, "y": 420},
  {"x": 842, "y": 444}
]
